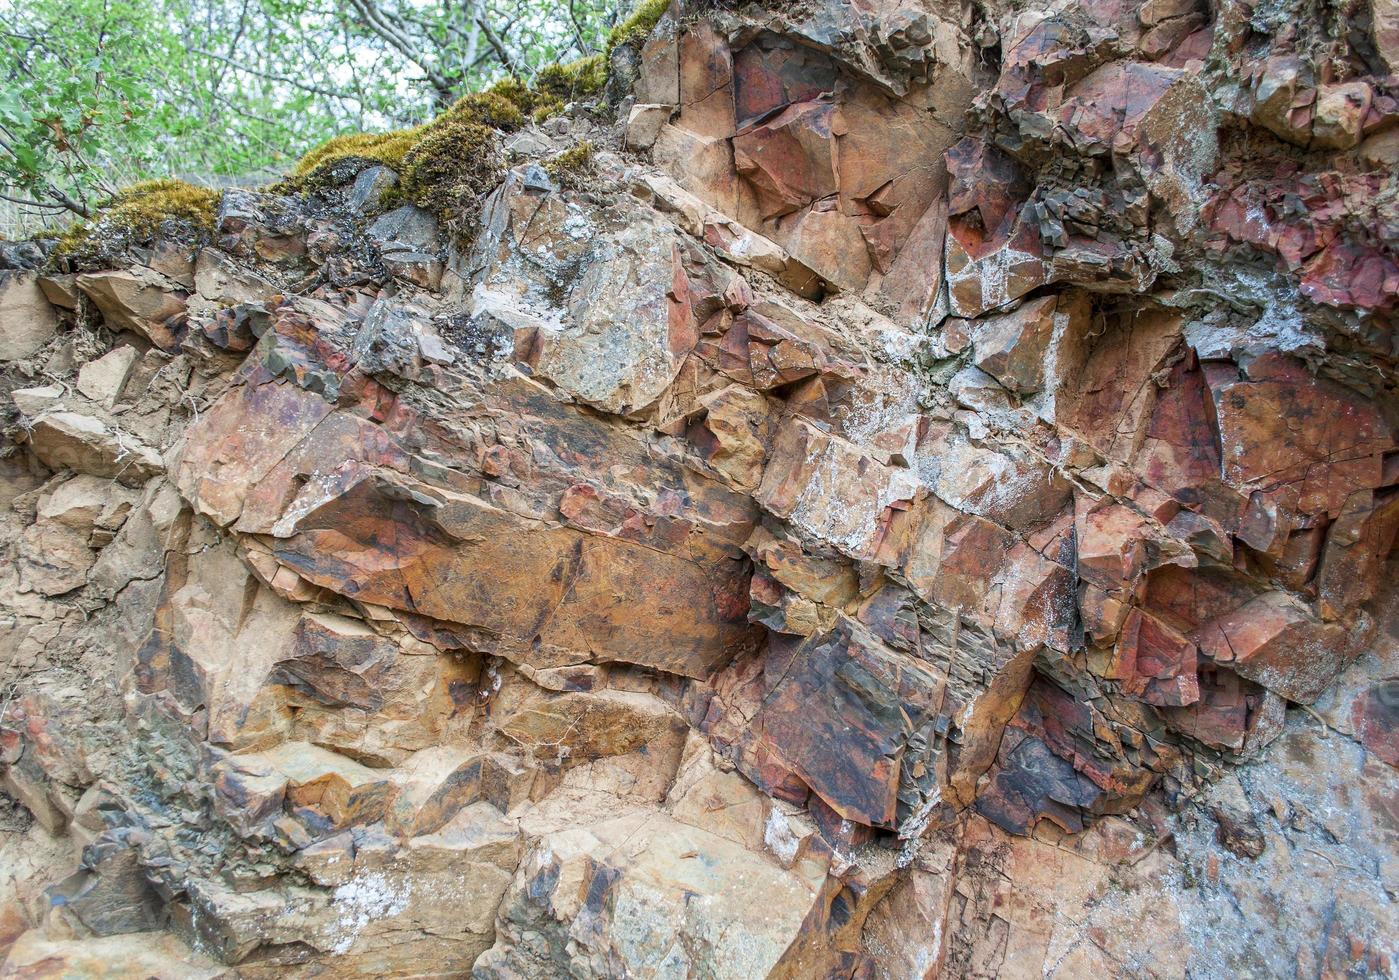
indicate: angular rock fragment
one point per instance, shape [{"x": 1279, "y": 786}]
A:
[
  {"x": 143, "y": 301},
  {"x": 67, "y": 440},
  {"x": 27, "y": 321},
  {"x": 848, "y": 717},
  {"x": 1274, "y": 640}
]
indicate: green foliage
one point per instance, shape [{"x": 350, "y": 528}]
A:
[
  {"x": 138, "y": 213},
  {"x": 95, "y": 94},
  {"x": 67, "y": 104}
]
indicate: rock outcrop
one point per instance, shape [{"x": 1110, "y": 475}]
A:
[{"x": 922, "y": 504}]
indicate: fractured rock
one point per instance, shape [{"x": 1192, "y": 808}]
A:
[
  {"x": 88, "y": 445},
  {"x": 27, "y": 321}
]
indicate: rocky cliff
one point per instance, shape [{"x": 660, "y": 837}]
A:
[{"x": 876, "y": 490}]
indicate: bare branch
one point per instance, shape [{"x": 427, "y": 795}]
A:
[
  {"x": 313, "y": 89},
  {"x": 32, "y": 204},
  {"x": 376, "y": 20},
  {"x": 494, "y": 41}
]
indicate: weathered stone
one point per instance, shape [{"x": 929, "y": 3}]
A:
[
  {"x": 88, "y": 445},
  {"x": 1048, "y": 768},
  {"x": 34, "y": 402},
  {"x": 828, "y": 488},
  {"x": 658, "y": 880},
  {"x": 141, "y": 300},
  {"x": 849, "y": 718},
  {"x": 1274, "y": 641},
  {"x": 54, "y": 559},
  {"x": 624, "y": 369},
  {"x": 1340, "y": 115},
  {"x": 870, "y": 522},
  {"x": 27, "y": 321},
  {"x": 1292, "y": 463},
  {"x": 370, "y": 188},
  {"x": 1154, "y": 662},
  {"x": 1352, "y": 562},
  {"x": 644, "y": 124},
  {"x": 103, "y": 379},
  {"x": 147, "y": 954},
  {"x": 218, "y": 278},
  {"x": 1011, "y": 348},
  {"x": 609, "y": 599}
]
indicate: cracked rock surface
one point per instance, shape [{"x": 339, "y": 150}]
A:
[{"x": 923, "y": 505}]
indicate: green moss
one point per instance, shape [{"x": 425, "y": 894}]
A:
[
  {"x": 386, "y": 148},
  {"x": 445, "y": 164},
  {"x": 450, "y": 166},
  {"x": 526, "y": 99},
  {"x": 137, "y": 214},
  {"x": 637, "y": 28},
  {"x": 572, "y": 164},
  {"x": 547, "y": 111},
  {"x": 487, "y": 109},
  {"x": 567, "y": 83}
]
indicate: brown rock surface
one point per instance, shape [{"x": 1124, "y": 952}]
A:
[{"x": 926, "y": 507}]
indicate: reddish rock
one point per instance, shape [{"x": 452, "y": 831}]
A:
[
  {"x": 1012, "y": 347},
  {"x": 1375, "y": 717},
  {"x": 1229, "y": 709},
  {"x": 1180, "y": 450},
  {"x": 1352, "y": 562},
  {"x": 1049, "y": 768},
  {"x": 841, "y": 713},
  {"x": 818, "y": 526},
  {"x": 1107, "y": 395},
  {"x": 828, "y": 488},
  {"x": 1277, "y": 425},
  {"x": 1274, "y": 641},
  {"x": 1112, "y": 544},
  {"x": 1350, "y": 275},
  {"x": 789, "y": 159},
  {"x": 1340, "y": 114},
  {"x": 144, "y": 301},
  {"x": 383, "y": 542},
  {"x": 1154, "y": 662}
]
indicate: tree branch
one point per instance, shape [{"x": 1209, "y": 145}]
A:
[
  {"x": 314, "y": 90},
  {"x": 32, "y": 204},
  {"x": 497, "y": 46},
  {"x": 377, "y": 21}
]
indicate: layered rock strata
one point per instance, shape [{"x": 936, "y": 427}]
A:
[{"x": 923, "y": 506}]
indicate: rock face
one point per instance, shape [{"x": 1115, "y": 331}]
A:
[{"x": 924, "y": 506}]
